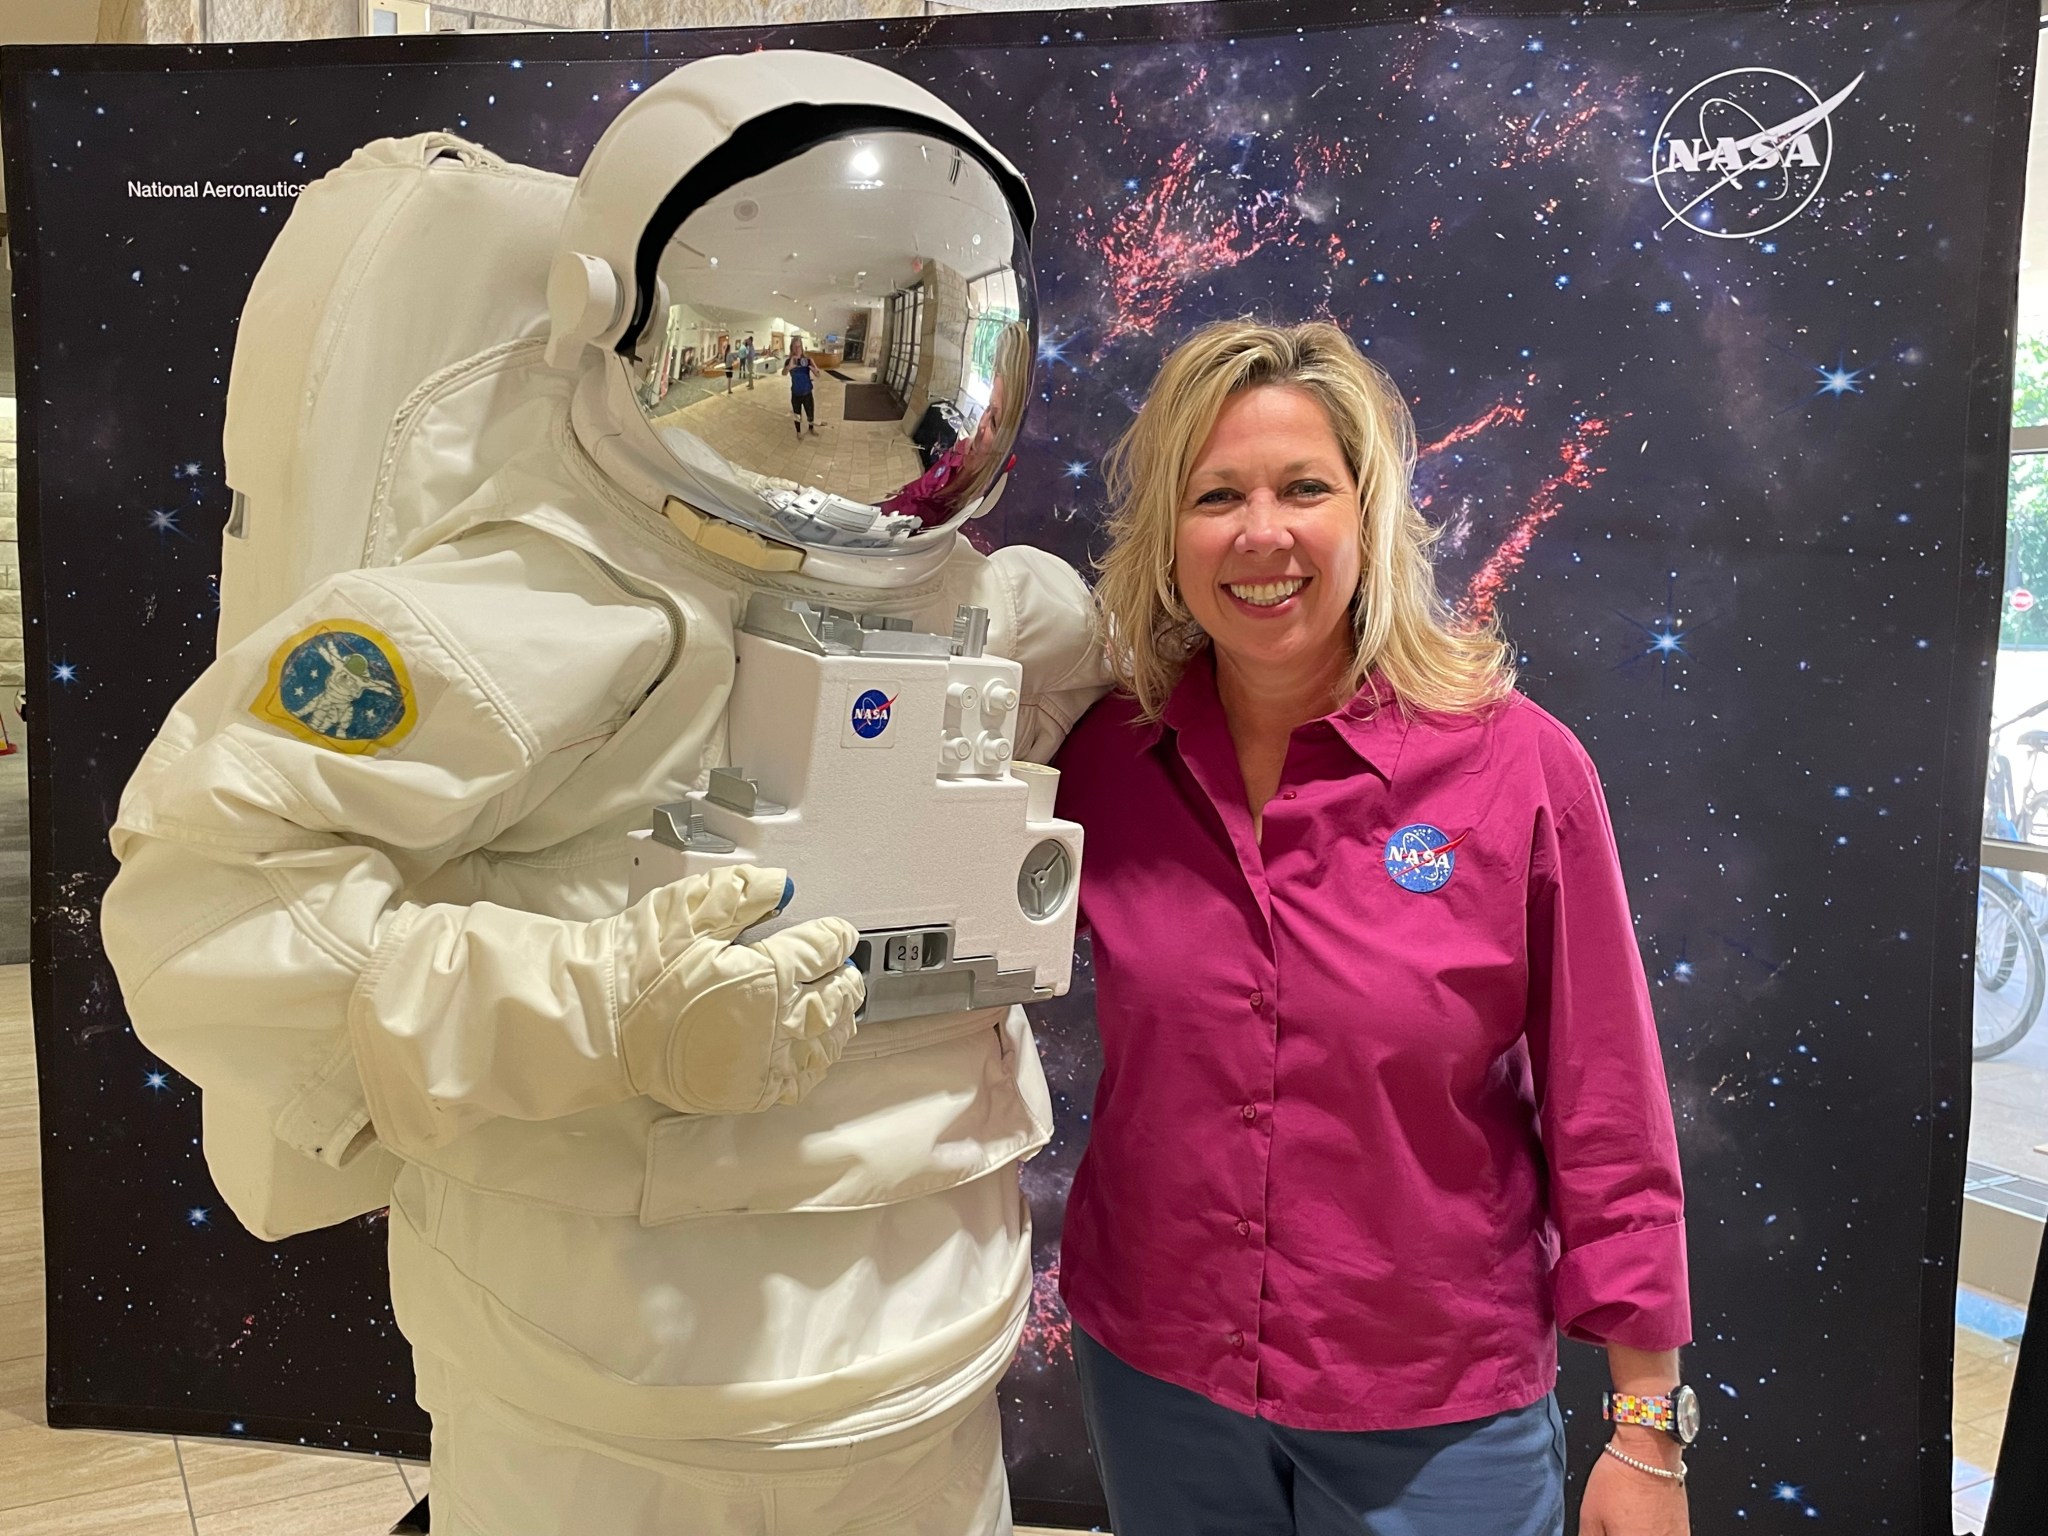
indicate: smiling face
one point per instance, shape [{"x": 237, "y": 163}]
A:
[{"x": 1266, "y": 547}]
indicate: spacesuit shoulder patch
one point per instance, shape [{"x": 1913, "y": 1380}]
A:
[{"x": 341, "y": 685}]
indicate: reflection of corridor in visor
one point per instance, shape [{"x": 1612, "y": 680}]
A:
[
  {"x": 894, "y": 261},
  {"x": 866, "y": 460}
]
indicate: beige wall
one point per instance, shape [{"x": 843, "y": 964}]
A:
[
  {"x": 10, "y": 565},
  {"x": 49, "y": 21},
  {"x": 941, "y": 342},
  {"x": 179, "y": 21}
]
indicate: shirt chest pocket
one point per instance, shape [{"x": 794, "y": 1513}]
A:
[
  {"x": 1443, "y": 955},
  {"x": 911, "y": 1109}
]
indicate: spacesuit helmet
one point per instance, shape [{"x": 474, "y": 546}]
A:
[{"x": 802, "y": 286}]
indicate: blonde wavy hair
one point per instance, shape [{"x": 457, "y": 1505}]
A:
[{"x": 1404, "y": 631}]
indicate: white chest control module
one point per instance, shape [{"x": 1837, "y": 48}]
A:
[{"x": 873, "y": 763}]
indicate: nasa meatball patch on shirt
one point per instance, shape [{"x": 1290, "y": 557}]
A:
[
  {"x": 1422, "y": 858},
  {"x": 342, "y": 685}
]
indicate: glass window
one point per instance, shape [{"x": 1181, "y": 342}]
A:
[{"x": 2006, "y": 1191}]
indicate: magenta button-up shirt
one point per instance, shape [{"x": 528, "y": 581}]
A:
[{"x": 1363, "y": 1145}]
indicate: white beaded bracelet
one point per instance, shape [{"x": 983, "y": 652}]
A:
[{"x": 1623, "y": 1457}]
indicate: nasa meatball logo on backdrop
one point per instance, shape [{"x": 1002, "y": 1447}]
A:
[{"x": 1744, "y": 152}]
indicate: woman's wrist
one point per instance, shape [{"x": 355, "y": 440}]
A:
[{"x": 1649, "y": 1445}]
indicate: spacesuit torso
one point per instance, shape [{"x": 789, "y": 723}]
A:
[{"x": 383, "y": 945}]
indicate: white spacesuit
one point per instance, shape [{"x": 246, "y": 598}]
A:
[{"x": 676, "y": 1249}]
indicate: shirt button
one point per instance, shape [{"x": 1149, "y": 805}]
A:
[
  {"x": 1257, "y": 999},
  {"x": 1250, "y": 1112},
  {"x": 1244, "y": 1229},
  {"x": 1287, "y": 794},
  {"x": 1235, "y": 1341}
]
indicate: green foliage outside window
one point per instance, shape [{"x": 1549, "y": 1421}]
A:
[{"x": 2026, "y": 516}]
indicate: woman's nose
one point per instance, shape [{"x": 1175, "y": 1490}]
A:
[{"x": 1265, "y": 524}]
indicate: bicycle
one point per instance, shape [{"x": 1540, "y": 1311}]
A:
[{"x": 2012, "y": 914}]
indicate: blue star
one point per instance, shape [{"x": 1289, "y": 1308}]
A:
[
  {"x": 1666, "y": 635},
  {"x": 198, "y": 1215},
  {"x": 157, "y": 1081},
  {"x": 163, "y": 520},
  {"x": 64, "y": 672},
  {"x": 1077, "y": 470},
  {"x": 1682, "y": 971},
  {"x": 1839, "y": 380},
  {"x": 1785, "y": 1493}
]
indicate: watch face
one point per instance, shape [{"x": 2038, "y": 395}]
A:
[{"x": 1685, "y": 1413}]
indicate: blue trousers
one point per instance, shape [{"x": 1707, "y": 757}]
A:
[{"x": 1175, "y": 1464}]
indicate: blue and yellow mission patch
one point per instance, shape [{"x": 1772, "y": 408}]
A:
[{"x": 339, "y": 685}]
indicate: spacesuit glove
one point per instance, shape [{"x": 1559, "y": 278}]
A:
[
  {"x": 727, "y": 1028},
  {"x": 819, "y": 992}
]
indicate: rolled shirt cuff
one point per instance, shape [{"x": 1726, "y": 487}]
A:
[{"x": 1628, "y": 1289}]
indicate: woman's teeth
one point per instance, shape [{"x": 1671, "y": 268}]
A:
[{"x": 1266, "y": 594}]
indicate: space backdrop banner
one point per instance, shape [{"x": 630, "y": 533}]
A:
[{"x": 1704, "y": 317}]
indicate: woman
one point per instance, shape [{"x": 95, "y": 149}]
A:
[
  {"x": 803, "y": 404},
  {"x": 1381, "y": 1106},
  {"x": 973, "y": 464}
]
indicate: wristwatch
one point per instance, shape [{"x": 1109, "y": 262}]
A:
[{"x": 1677, "y": 1415}]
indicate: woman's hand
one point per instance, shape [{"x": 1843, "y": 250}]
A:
[{"x": 1621, "y": 1501}]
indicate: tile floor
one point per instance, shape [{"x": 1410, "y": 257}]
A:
[
  {"x": 864, "y": 460},
  {"x": 86, "y": 1483},
  {"x": 1984, "y": 1367}
]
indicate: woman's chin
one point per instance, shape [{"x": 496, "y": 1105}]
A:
[{"x": 1279, "y": 650}]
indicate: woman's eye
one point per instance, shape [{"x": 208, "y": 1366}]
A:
[
  {"x": 1216, "y": 498},
  {"x": 1309, "y": 488}
]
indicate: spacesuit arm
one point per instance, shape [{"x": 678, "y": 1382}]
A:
[
  {"x": 264, "y": 933},
  {"x": 1042, "y": 615}
]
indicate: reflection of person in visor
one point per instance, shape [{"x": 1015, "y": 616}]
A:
[
  {"x": 967, "y": 470},
  {"x": 672, "y": 1255},
  {"x": 803, "y": 397}
]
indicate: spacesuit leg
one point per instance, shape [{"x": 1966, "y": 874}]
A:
[{"x": 499, "y": 1470}]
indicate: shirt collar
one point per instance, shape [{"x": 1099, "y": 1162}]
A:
[{"x": 1371, "y": 724}]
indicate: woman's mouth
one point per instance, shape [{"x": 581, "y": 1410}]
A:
[{"x": 1266, "y": 594}]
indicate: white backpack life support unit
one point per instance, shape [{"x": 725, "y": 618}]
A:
[{"x": 388, "y": 362}]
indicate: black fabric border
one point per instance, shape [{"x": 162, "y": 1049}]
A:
[{"x": 1979, "y": 581}]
